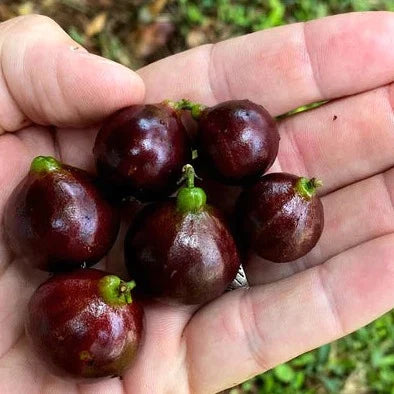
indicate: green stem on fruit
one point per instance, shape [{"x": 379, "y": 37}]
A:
[
  {"x": 196, "y": 109},
  {"x": 115, "y": 291},
  {"x": 189, "y": 175},
  {"x": 190, "y": 198},
  {"x": 45, "y": 164},
  {"x": 307, "y": 187}
]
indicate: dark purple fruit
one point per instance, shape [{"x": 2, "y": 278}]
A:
[
  {"x": 180, "y": 250},
  {"x": 281, "y": 216},
  {"x": 141, "y": 150},
  {"x": 57, "y": 219},
  {"x": 238, "y": 141},
  {"x": 85, "y": 324}
]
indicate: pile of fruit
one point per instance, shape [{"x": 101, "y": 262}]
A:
[{"x": 87, "y": 323}]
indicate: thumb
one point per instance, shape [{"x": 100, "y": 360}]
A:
[{"x": 48, "y": 79}]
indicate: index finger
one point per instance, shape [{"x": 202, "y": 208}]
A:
[{"x": 285, "y": 67}]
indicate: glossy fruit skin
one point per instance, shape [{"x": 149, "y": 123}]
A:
[
  {"x": 141, "y": 150},
  {"x": 78, "y": 335},
  {"x": 277, "y": 222},
  {"x": 181, "y": 258},
  {"x": 58, "y": 221},
  {"x": 238, "y": 141}
]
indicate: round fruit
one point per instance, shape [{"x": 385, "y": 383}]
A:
[
  {"x": 85, "y": 324},
  {"x": 57, "y": 219},
  {"x": 238, "y": 140},
  {"x": 181, "y": 251},
  {"x": 281, "y": 216},
  {"x": 141, "y": 150}
]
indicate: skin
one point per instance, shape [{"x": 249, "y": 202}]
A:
[
  {"x": 239, "y": 140},
  {"x": 136, "y": 137},
  {"x": 344, "y": 283}
]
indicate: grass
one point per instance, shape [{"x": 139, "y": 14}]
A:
[{"x": 136, "y": 32}]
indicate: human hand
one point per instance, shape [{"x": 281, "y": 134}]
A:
[{"x": 344, "y": 283}]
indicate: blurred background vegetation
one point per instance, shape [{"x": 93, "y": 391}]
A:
[{"x": 137, "y": 32}]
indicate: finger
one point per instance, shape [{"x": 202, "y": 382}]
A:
[
  {"x": 343, "y": 141},
  {"x": 75, "y": 146},
  {"x": 48, "y": 79},
  {"x": 285, "y": 67},
  {"x": 248, "y": 332},
  {"x": 160, "y": 365},
  {"x": 353, "y": 215}
]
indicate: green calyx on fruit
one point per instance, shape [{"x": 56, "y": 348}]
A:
[
  {"x": 307, "y": 187},
  {"x": 45, "y": 164},
  {"x": 115, "y": 291},
  {"x": 196, "y": 109},
  {"x": 190, "y": 198}
]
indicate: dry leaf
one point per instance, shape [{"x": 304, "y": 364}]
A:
[{"x": 96, "y": 25}]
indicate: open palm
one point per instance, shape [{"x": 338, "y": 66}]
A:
[{"x": 52, "y": 92}]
